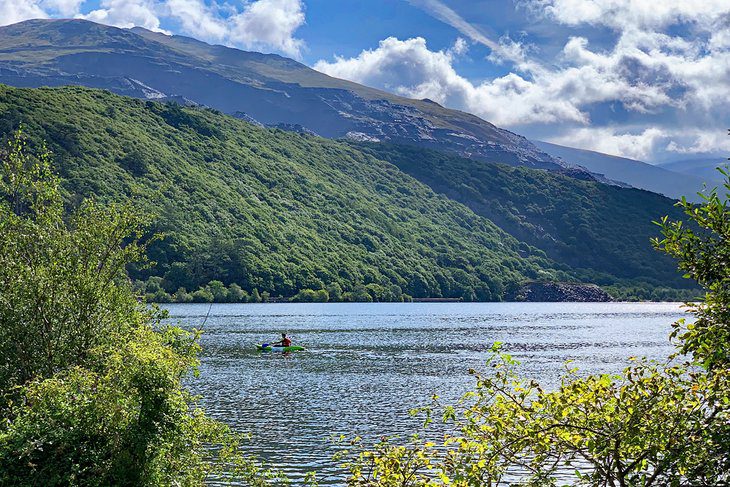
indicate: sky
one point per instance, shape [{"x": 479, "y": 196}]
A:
[{"x": 645, "y": 79}]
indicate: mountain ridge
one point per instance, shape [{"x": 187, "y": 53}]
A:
[
  {"x": 637, "y": 174},
  {"x": 704, "y": 167},
  {"x": 270, "y": 88}
]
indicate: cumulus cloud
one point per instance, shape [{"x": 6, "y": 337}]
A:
[
  {"x": 259, "y": 24},
  {"x": 669, "y": 63},
  {"x": 627, "y": 14},
  {"x": 611, "y": 140},
  {"x": 699, "y": 141},
  {"x": 197, "y": 19},
  {"x": 409, "y": 68},
  {"x": 270, "y": 23},
  {"x": 12, "y": 11},
  {"x": 64, "y": 8},
  {"x": 126, "y": 13}
]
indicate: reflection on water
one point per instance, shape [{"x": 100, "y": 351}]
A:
[{"x": 368, "y": 364}]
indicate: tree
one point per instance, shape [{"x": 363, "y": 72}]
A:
[
  {"x": 203, "y": 295},
  {"x": 219, "y": 291},
  {"x": 704, "y": 255},
  {"x": 63, "y": 285},
  {"x": 182, "y": 296},
  {"x": 311, "y": 296},
  {"x": 236, "y": 294},
  {"x": 334, "y": 291},
  {"x": 358, "y": 295},
  {"x": 91, "y": 381},
  {"x": 178, "y": 276},
  {"x": 255, "y": 296}
]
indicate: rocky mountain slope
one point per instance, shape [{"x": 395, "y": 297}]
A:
[{"x": 270, "y": 88}]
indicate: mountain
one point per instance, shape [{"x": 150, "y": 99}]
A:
[
  {"x": 704, "y": 168},
  {"x": 264, "y": 208},
  {"x": 269, "y": 88},
  {"x": 662, "y": 180},
  {"x": 280, "y": 212},
  {"x": 597, "y": 229}
]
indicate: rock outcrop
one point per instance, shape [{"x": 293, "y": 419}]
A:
[{"x": 561, "y": 292}]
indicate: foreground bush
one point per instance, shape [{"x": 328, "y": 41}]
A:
[
  {"x": 655, "y": 424},
  {"x": 90, "y": 383}
]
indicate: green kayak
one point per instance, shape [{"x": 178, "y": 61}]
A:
[{"x": 267, "y": 348}]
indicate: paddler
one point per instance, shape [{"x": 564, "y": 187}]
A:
[{"x": 285, "y": 342}]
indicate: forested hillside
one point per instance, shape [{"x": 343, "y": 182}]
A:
[
  {"x": 267, "y": 209},
  {"x": 595, "y": 227}
]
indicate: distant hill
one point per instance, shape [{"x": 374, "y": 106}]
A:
[
  {"x": 596, "y": 229},
  {"x": 662, "y": 180},
  {"x": 270, "y": 88},
  {"x": 702, "y": 168}
]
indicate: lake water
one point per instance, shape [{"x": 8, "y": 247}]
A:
[{"x": 366, "y": 365}]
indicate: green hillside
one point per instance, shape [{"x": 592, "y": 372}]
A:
[
  {"x": 603, "y": 230},
  {"x": 267, "y": 209}
]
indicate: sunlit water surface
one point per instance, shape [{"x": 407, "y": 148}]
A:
[{"x": 366, "y": 365}]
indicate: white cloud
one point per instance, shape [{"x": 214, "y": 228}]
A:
[
  {"x": 701, "y": 142},
  {"x": 261, "y": 24},
  {"x": 269, "y": 23},
  {"x": 126, "y": 13},
  {"x": 197, "y": 19},
  {"x": 627, "y": 14},
  {"x": 504, "y": 49},
  {"x": 446, "y": 14},
  {"x": 409, "y": 68},
  {"x": 677, "y": 79},
  {"x": 64, "y": 8},
  {"x": 610, "y": 140},
  {"x": 406, "y": 67},
  {"x": 12, "y": 11}
]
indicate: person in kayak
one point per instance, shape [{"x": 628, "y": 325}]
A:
[{"x": 285, "y": 341}]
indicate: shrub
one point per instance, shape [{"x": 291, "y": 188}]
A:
[
  {"x": 236, "y": 294},
  {"x": 90, "y": 382},
  {"x": 182, "y": 296},
  {"x": 203, "y": 295},
  {"x": 311, "y": 296},
  {"x": 63, "y": 284}
]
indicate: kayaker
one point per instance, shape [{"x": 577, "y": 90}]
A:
[{"x": 285, "y": 342}]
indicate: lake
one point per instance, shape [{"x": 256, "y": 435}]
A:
[{"x": 366, "y": 365}]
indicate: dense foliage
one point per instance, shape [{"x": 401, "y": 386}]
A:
[
  {"x": 265, "y": 209},
  {"x": 601, "y": 231},
  {"x": 654, "y": 424},
  {"x": 90, "y": 382},
  {"x": 704, "y": 255}
]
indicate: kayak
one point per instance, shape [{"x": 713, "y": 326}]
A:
[{"x": 268, "y": 348}]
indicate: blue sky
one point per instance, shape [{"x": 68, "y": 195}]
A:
[{"x": 642, "y": 79}]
